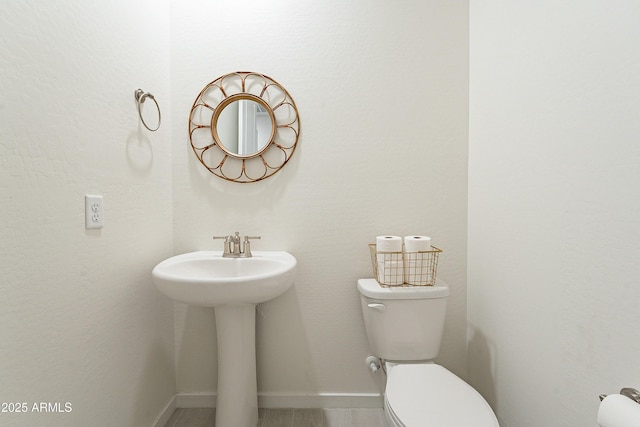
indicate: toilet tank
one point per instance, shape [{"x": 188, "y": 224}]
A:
[{"x": 403, "y": 323}]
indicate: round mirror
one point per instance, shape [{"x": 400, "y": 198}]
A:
[{"x": 243, "y": 126}]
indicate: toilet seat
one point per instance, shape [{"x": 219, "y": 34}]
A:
[{"x": 426, "y": 394}]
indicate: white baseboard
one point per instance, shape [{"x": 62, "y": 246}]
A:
[
  {"x": 320, "y": 400},
  {"x": 290, "y": 400},
  {"x": 166, "y": 413},
  {"x": 196, "y": 400}
]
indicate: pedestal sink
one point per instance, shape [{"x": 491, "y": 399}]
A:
[{"x": 233, "y": 286}]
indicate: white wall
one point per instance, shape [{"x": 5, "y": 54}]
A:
[
  {"x": 80, "y": 319},
  {"x": 382, "y": 94},
  {"x": 554, "y": 207}
]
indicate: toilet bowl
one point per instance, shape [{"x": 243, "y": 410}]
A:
[
  {"x": 427, "y": 394},
  {"x": 404, "y": 326}
]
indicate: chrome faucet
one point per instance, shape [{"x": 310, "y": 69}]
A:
[{"x": 235, "y": 247}]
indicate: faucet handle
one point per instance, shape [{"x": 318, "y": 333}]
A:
[
  {"x": 227, "y": 243},
  {"x": 247, "y": 245}
]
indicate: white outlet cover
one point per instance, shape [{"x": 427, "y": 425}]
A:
[{"x": 93, "y": 211}]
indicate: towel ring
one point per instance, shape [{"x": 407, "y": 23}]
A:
[{"x": 141, "y": 96}]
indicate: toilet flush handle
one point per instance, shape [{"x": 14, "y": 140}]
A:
[{"x": 377, "y": 306}]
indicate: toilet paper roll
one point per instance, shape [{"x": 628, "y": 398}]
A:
[
  {"x": 617, "y": 410},
  {"x": 390, "y": 265},
  {"x": 416, "y": 266},
  {"x": 417, "y": 243},
  {"x": 416, "y": 272},
  {"x": 391, "y": 272},
  {"x": 388, "y": 244}
]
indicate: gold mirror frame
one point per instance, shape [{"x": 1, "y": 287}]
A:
[{"x": 205, "y": 139}]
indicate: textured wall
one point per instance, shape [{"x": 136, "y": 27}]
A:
[
  {"x": 80, "y": 320},
  {"x": 554, "y": 206},
  {"x": 382, "y": 94}
]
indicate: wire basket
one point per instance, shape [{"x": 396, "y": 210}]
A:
[{"x": 393, "y": 269}]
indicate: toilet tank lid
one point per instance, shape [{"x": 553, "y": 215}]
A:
[{"x": 372, "y": 289}]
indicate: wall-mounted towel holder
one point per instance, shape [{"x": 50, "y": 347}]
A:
[
  {"x": 140, "y": 97},
  {"x": 629, "y": 392}
]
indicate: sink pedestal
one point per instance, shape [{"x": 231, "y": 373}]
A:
[{"x": 237, "y": 402}]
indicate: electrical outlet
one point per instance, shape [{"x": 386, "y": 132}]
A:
[{"x": 93, "y": 211}]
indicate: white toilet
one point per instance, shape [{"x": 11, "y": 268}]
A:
[{"x": 404, "y": 326}]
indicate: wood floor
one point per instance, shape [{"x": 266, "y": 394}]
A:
[{"x": 361, "y": 417}]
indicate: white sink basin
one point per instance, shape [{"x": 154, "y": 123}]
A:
[{"x": 207, "y": 279}]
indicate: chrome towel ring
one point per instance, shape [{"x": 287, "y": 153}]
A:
[{"x": 141, "y": 96}]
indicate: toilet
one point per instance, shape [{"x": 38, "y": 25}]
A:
[{"x": 404, "y": 326}]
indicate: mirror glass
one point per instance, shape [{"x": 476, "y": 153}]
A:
[{"x": 244, "y": 127}]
